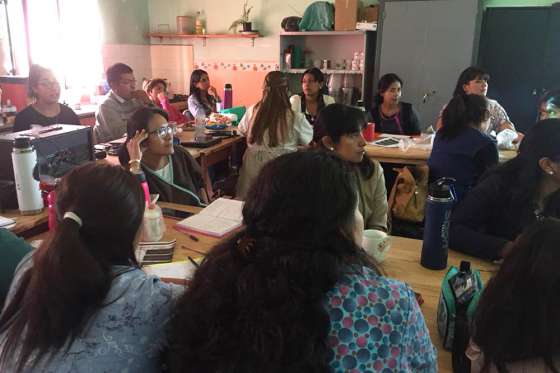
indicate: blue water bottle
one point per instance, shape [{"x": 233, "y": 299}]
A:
[{"x": 439, "y": 204}]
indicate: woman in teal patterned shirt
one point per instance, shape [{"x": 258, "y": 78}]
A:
[{"x": 293, "y": 291}]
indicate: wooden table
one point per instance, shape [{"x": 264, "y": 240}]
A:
[
  {"x": 402, "y": 262},
  {"x": 208, "y": 157},
  {"x": 28, "y": 225},
  {"x": 415, "y": 155}
]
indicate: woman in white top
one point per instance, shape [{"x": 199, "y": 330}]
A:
[
  {"x": 312, "y": 100},
  {"x": 272, "y": 128}
]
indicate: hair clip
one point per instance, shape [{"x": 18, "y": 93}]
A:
[{"x": 245, "y": 245}]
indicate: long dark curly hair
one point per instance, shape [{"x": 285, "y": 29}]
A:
[{"x": 256, "y": 302}]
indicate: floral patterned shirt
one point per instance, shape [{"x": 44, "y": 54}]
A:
[
  {"x": 377, "y": 326},
  {"x": 127, "y": 335}
]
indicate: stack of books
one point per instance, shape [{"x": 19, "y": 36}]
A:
[{"x": 155, "y": 252}]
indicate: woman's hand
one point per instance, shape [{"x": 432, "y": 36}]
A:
[
  {"x": 213, "y": 92},
  {"x": 162, "y": 97},
  {"x": 134, "y": 146}
]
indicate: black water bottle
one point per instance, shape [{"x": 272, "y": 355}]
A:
[{"x": 439, "y": 204}]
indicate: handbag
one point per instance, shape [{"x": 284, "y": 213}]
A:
[{"x": 407, "y": 200}]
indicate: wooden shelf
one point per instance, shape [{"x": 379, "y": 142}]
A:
[
  {"x": 165, "y": 35},
  {"x": 322, "y": 33},
  {"x": 324, "y": 71}
]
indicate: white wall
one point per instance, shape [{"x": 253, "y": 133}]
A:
[{"x": 266, "y": 17}]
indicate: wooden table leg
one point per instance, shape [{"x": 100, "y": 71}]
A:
[{"x": 206, "y": 176}]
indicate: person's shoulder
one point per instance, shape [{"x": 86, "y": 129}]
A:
[
  {"x": 142, "y": 286},
  {"x": 368, "y": 280},
  {"x": 28, "y": 110},
  {"x": 295, "y": 99}
]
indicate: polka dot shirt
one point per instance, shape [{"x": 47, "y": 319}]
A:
[{"x": 377, "y": 326}]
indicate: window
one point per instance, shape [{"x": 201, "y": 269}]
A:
[{"x": 63, "y": 35}]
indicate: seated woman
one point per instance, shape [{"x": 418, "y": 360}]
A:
[
  {"x": 156, "y": 89},
  {"x": 272, "y": 128},
  {"x": 549, "y": 105},
  {"x": 312, "y": 100},
  {"x": 389, "y": 113},
  {"x": 171, "y": 171},
  {"x": 44, "y": 89},
  {"x": 493, "y": 214},
  {"x": 461, "y": 149},
  {"x": 474, "y": 80},
  {"x": 81, "y": 301},
  {"x": 343, "y": 126},
  {"x": 203, "y": 97},
  {"x": 294, "y": 291},
  {"x": 516, "y": 325}
]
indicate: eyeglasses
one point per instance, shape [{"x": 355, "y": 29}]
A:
[{"x": 166, "y": 130}]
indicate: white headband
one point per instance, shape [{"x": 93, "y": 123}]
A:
[{"x": 72, "y": 216}]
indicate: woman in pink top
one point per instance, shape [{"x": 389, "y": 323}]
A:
[
  {"x": 156, "y": 90},
  {"x": 517, "y": 328}
]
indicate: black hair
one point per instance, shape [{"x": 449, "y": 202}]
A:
[
  {"x": 337, "y": 120},
  {"x": 72, "y": 271},
  {"x": 384, "y": 83},
  {"x": 138, "y": 121},
  {"x": 320, "y": 78},
  {"x": 470, "y": 73},
  {"x": 255, "y": 304},
  {"x": 523, "y": 173},
  {"x": 194, "y": 90},
  {"x": 517, "y": 316},
  {"x": 115, "y": 71},
  {"x": 461, "y": 112},
  {"x": 552, "y": 97}
]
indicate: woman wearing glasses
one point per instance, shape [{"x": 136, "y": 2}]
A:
[
  {"x": 170, "y": 169},
  {"x": 44, "y": 89}
]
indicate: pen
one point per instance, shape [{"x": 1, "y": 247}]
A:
[
  {"x": 194, "y": 238},
  {"x": 192, "y": 261}
]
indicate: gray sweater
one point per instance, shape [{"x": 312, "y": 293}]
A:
[{"x": 112, "y": 117}]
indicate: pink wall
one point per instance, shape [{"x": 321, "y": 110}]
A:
[{"x": 247, "y": 85}]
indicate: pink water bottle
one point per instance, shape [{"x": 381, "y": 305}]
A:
[
  {"x": 228, "y": 96},
  {"x": 51, "y": 203}
]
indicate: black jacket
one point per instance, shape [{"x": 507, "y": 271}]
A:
[{"x": 407, "y": 117}]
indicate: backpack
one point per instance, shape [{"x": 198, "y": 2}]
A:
[
  {"x": 461, "y": 289},
  {"x": 319, "y": 16}
]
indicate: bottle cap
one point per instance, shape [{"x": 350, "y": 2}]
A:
[
  {"x": 22, "y": 142},
  {"x": 228, "y": 86}
]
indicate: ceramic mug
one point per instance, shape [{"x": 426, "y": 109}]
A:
[{"x": 376, "y": 243}]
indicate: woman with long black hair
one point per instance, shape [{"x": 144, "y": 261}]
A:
[
  {"x": 294, "y": 291},
  {"x": 80, "y": 302},
  {"x": 509, "y": 198},
  {"x": 203, "y": 96}
]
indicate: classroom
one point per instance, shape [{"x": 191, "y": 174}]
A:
[{"x": 280, "y": 186}]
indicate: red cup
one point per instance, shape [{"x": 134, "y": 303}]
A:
[{"x": 369, "y": 132}]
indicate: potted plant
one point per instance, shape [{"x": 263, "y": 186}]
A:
[{"x": 244, "y": 20}]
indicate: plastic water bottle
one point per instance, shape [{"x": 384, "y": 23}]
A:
[
  {"x": 24, "y": 159},
  {"x": 199, "y": 126},
  {"x": 439, "y": 204},
  {"x": 228, "y": 96}
]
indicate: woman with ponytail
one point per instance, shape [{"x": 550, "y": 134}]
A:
[
  {"x": 461, "y": 149},
  {"x": 272, "y": 128},
  {"x": 510, "y": 197},
  {"x": 80, "y": 302},
  {"x": 294, "y": 291}
]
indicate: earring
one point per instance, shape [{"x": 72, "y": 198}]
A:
[
  {"x": 331, "y": 149},
  {"x": 551, "y": 172}
]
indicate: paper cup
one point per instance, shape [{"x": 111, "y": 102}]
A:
[{"x": 376, "y": 243}]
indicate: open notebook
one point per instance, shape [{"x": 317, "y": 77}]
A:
[{"x": 217, "y": 219}]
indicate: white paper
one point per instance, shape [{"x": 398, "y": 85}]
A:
[{"x": 6, "y": 222}]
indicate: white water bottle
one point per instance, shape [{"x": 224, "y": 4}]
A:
[{"x": 24, "y": 159}]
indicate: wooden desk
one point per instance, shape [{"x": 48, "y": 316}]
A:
[
  {"x": 402, "y": 263},
  {"x": 415, "y": 155},
  {"x": 208, "y": 157},
  {"x": 28, "y": 225}
]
